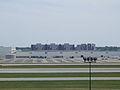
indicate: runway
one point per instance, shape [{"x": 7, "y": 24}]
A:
[
  {"x": 59, "y": 64},
  {"x": 56, "y": 70},
  {"x": 63, "y": 78}
]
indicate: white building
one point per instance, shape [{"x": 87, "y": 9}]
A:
[{"x": 4, "y": 51}]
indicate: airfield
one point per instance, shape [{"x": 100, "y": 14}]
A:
[
  {"x": 59, "y": 74},
  {"x": 57, "y": 60}
]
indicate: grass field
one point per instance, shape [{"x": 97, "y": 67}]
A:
[
  {"x": 55, "y": 89},
  {"x": 62, "y": 66},
  {"x": 60, "y": 85},
  {"x": 25, "y": 75}
]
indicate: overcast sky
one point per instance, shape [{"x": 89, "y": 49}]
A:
[{"x": 25, "y": 22}]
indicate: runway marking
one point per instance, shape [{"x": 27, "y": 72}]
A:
[
  {"x": 56, "y": 70},
  {"x": 63, "y": 78},
  {"x": 57, "y": 64}
]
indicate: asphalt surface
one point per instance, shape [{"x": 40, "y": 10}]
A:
[
  {"x": 56, "y": 60},
  {"x": 59, "y": 64},
  {"x": 42, "y": 61},
  {"x": 56, "y": 70},
  {"x": 63, "y": 78}
]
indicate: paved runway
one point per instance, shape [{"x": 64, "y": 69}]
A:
[
  {"x": 63, "y": 78},
  {"x": 59, "y": 64},
  {"x": 56, "y": 70}
]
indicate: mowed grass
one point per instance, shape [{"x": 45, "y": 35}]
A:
[
  {"x": 26, "y": 75},
  {"x": 55, "y": 89},
  {"x": 52, "y": 85},
  {"x": 61, "y": 66}
]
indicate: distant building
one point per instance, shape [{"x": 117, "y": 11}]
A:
[
  {"x": 60, "y": 47},
  {"x": 78, "y": 47},
  {"x": 53, "y": 46},
  {"x": 84, "y": 47},
  {"x": 88, "y": 47},
  {"x": 5, "y": 52},
  {"x": 38, "y": 46},
  {"x": 33, "y": 47},
  {"x": 65, "y": 46}
]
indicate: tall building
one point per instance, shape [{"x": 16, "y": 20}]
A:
[
  {"x": 60, "y": 47},
  {"x": 65, "y": 46},
  {"x": 39, "y": 46},
  {"x": 84, "y": 47},
  {"x": 33, "y": 47},
  {"x": 53, "y": 46},
  {"x": 88, "y": 46},
  {"x": 78, "y": 47},
  {"x": 46, "y": 47}
]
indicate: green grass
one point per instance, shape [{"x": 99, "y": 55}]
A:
[
  {"x": 25, "y": 75},
  {"x": 62, "y": 66},
  {"x": 54, "y": 89},
  {"x": 96, "y": 85}
]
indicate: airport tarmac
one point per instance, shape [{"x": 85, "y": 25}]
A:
[
  {"x": 59, "y": 78},
  {"x": 41, "y": 61},
  {"x": 56, "y": 70},
  {"x": 56, "y": 60},
  {"x": 59, "y": 64}
]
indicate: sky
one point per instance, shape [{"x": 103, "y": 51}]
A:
[{"x": 26, "y": 22}]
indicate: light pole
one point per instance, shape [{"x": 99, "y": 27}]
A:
[{"x": 90, "y": 60}]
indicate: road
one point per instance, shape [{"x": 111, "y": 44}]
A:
[
  {"x": 63, "y": 78},
  {"x": 56, "y": 70}
]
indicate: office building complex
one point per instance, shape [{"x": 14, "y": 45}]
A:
[
  {"x": 88, "y": 46},
  {"x": 65, "y": 46}
]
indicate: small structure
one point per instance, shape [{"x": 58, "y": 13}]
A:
[
  {"x": 12, "y": 56},
  {"x": 5, "y": 51}
]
